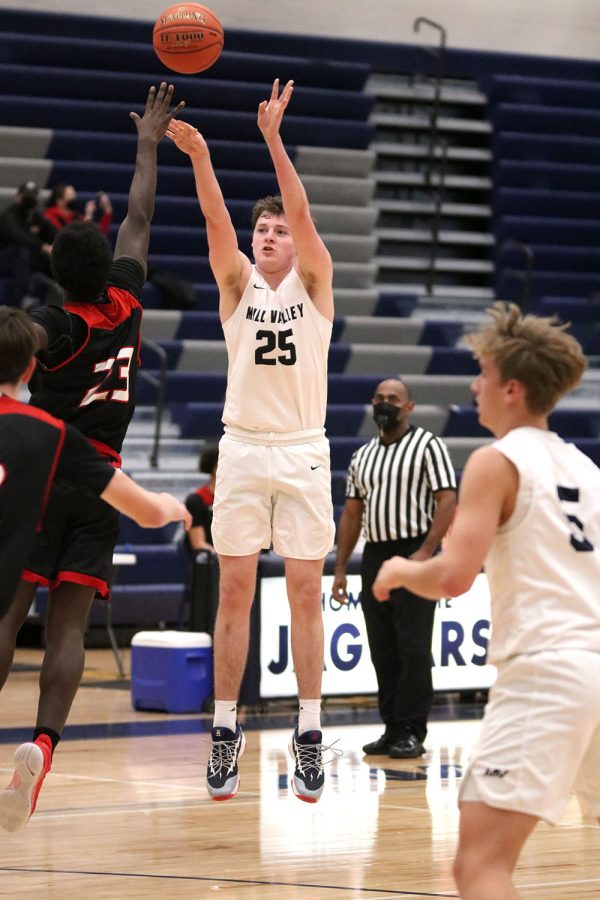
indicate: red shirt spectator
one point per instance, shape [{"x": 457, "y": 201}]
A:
[{"x": 61, "y": 208}]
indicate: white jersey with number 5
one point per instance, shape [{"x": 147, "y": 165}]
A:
[
  {"x": 544, "y": 563},
  {"x": 277, "y": 343}
]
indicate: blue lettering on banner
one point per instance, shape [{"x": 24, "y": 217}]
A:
[
  {"x": 453, "y": 634},
  {"x": 480, "y": 640},
  {"x": 281, "y": 665},
  {"x": 354, "y": 650},
  {"x": 334, "y": 605}
]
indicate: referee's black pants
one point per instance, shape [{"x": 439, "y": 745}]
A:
[{"x": 399, "y": 632}]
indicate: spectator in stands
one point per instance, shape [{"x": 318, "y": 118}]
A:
[
  {"x": 530, "y": 509},
  {"x": 273, "y": 481},
  {"x": 62, "y": 208},
  {"x": 89, "y": 349},
  {"x": 401, "y": 490},
  {"x": 200, "y": 504},
  {"x": 25, "y": 243}
]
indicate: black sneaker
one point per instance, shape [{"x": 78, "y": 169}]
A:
[
  {"x": 308, "y": 779},
  {"x": 406, "y": 747},
  {"x": 222, "y": 777},
  {"x": 379, "y": 747}
]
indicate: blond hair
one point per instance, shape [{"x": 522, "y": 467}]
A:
[{"x": 534, "y": 350}]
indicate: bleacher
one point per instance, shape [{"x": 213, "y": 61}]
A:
[{"x": 522, "y": 170}]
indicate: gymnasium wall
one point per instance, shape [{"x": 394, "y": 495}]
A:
[{"x": 547, "y": 27}]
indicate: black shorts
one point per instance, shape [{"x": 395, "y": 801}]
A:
[{"x": 77, "y": 540}]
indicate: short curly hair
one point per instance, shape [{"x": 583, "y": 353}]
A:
[
  {"x": 535, "y": 350},
  {"x": 81, "y": 260},
  {"x": 267, "y": 206}
]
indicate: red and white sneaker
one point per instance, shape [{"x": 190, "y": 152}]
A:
[{"x": 18, "y": 800}]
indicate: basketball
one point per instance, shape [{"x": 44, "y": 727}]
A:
[{"x": 187, "y": 38}]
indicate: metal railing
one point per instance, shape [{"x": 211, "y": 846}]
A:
[
  {"x": 160, "y": 384},
  {"x": 437, "y": 88},
  {"x": 437, "y": 215},
  {"x": 434, "y": 141}
]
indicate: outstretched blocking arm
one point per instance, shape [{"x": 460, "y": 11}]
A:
[
  {"x": 230, "y": 267},
  {"x": 314, "y": 261},
  {"x": 81, "y": 463},
  {"x": 487, "y": 495},
  {"x": 134, "y": 233},
  {"x": 148, "y": 509}
]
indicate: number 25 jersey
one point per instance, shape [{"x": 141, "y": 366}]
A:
[{"x": 277, "y": 343}]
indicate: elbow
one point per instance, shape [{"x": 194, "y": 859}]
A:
[{"x": 455, "y": 583}]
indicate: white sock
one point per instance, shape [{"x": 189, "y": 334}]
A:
[
  {"x": 225, "y": 714},
  {"x": 309, "y": 716}
]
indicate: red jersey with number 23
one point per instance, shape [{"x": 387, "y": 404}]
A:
[{"x": 91, "y": 383}]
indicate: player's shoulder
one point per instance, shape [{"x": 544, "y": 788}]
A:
[{"x": 127, "y": 273}]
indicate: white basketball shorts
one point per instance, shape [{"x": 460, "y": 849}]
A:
[
  {"x": 273, "y": 493},
  {"x": 540, "y": 736}
]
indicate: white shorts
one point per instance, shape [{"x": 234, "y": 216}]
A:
[
  {"x": 540, "y": 736},
  {"x": 279, "y": 494}
]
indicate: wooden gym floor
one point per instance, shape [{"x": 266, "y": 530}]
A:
[{"x": 125, "y": 814}]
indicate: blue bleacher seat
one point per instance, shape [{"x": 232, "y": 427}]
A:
[{"x": 569, "y": 423}]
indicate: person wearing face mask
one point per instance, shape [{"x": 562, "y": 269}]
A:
[
  {"x": 401, "y": 492},
  {"x": 62, "y": 207},
  {"x": 25, "y": 243}
]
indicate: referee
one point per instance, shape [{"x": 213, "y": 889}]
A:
[{"x": 401, "y": 488}]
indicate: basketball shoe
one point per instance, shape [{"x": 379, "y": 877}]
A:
[
  {"x": 18, "y": 800},
  {"x": 222, "y": 776},
  {"x": 308, "y": 779}
]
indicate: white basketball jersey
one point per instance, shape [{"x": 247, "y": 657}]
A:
[
  {"x": 277, "y": 343},
  {"x": 544, "y": 563}
]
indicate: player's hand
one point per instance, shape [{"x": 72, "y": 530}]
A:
[
  {"x": 339, "y": 589},
  {"x": 188, "y": 139},
  {"x": 270, "y": 112},
  {"x": 157, "y": 115},
  {"x": 388, "y": 578},
  {"x": 175, "y": 511}
]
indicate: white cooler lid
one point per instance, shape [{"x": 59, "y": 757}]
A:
[{"x": 171, "y": 639}]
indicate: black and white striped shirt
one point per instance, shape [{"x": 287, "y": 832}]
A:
[{"x": 397, "y": 483}]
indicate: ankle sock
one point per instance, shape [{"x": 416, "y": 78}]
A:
[
  {"x": 225, "y": 714},
  {"x": 53, "y": 737},
  {"x": 309, "y": 715}
]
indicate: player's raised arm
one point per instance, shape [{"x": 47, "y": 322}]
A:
[
  {"x": 229, "y": 265},
  {"x": 134, "y": 233},
  {"x": 314, "y": 261}
]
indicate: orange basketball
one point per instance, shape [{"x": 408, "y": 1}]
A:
[{"x": 188, "y": 38}]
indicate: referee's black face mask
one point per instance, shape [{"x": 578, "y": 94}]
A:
[{"x": 386, "y": 415}]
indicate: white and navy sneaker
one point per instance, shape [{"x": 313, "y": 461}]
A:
[
  {"x": 308, "y": 779},
  {"x": 222, "y": 776}
]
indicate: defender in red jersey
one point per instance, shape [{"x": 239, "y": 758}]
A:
[
  {"x": 34, "y": 449},
  {"x": 88, "y": 351}
]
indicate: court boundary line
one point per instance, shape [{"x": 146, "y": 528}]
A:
[{"x": 203, "y": 878}]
